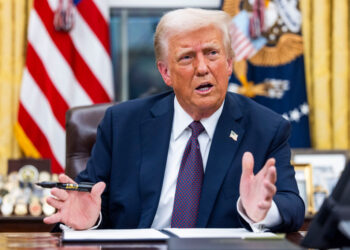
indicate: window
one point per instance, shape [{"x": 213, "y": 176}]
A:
[{"x": 134, "y": 67}]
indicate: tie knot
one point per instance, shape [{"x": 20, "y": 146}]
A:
[{"x": 197, "y": 128}]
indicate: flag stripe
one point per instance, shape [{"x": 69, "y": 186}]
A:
[
  {"x": 97, "y": 59},
  {"x": 242, "y": 46},
  {"x": 96, "y": 21},
  {"x": 38, "y": 138},
  {"x": 252, "y": 51},
  {"x": 60, "y": 73},
  {"x": 103, "y": 9},
  {"x": 239, "y": 38},
  {"x": 65, "y": 45},
  {"x": 39, "y": 109},
  {"x": 244, "y": 53},
  {"x": 37, "y": 70}
]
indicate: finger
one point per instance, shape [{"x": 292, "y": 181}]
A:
[
  {"x": 271, "y": 174},
  {"x": 54, "y": 202},
  {"x": 60, "y": 194},
  {"x": 98, "y": 189},
  {"x": 270, "y": 162},
  {"x": 264, "y": 205},
  {"x": 247, "y": 165},
  {"x": 65, "y": 179},
  {"x": 270, "y": 190},
  {"x": 52, "y": 218}
]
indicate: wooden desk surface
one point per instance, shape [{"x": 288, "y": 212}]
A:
[
  {"x": 24, "y": 224},
  {"x": 42, "y": 240}
]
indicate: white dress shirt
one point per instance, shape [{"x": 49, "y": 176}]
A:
[{"x": 180, "y": 134}]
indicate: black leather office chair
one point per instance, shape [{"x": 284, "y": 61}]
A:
[{"x": 81, "y": 128}]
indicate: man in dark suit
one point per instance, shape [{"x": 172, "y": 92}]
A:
[{"x": 185, "y": 158}]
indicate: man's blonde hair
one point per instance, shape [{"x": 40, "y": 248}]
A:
[{"x": 190, "y": 19}]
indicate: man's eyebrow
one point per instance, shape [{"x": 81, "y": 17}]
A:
[
  {"x": 211, "y": 45},
  {"x": 183, "y": 51},
  {"x": 206, "y": 46}
]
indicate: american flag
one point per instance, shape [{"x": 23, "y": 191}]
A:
[
  {"x": 243, "y": 45},
  {"x": 68, "y": 64}
]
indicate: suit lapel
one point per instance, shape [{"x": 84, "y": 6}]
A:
[
  {"x": 222, "y": 152},
  {"x": 155, "y": 136}
]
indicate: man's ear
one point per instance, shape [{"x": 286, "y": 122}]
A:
[{"x": 164, "y": 71}]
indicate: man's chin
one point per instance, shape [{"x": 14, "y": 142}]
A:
[{"x": 207, "y": 109}]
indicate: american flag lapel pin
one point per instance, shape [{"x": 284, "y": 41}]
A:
[{"x": 233, "y": 135}]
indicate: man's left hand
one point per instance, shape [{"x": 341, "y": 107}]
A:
[{"x": 257, "y": 191}]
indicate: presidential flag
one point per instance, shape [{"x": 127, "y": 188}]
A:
[
  {"x": 68, "y": 64},
  {"x": 270, "y": 67}
]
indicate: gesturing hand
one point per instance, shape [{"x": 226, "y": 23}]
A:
[
  {"x": 79, "y": 210},
  {"x": 257, "y": 191}
]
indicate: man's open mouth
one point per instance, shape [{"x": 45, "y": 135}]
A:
[{"x": 204, "y": 87}]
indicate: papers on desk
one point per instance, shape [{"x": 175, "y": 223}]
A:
[
  {"x": 218, "y": 233},
  {"x": 155, "y": 235},
  {"x": 114, "y": 235}
]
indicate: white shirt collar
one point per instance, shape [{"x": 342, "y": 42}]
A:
[{"x": 182, "y": 120}]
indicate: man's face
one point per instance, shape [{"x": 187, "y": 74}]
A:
[{"x": 198, "y": 70}]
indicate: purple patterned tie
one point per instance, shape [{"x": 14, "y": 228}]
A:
[{"x": 189, "y": 182}]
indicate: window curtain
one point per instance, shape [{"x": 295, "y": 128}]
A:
[
  {"x": 327, "y": 62},
  {"x": 13, "y": 27}
]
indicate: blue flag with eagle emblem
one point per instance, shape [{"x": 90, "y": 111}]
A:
[{"x": 269, "y": 62}]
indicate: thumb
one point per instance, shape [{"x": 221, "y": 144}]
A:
[
  {"x": 247, "y": 165},
  {"x": 65, "y": 179},
  {"x": 98, "y": 189}
]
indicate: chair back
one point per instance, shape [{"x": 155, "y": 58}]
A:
[{"x": 81, "y": 129}]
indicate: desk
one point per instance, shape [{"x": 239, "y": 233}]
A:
[
  {"x": 23, "y": 224},
  {"x": 53, "y": 241}
]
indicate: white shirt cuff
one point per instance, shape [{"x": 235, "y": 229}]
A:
[
  {"x": 273, "y": 218},
  {"x": 67, "y": 228}
]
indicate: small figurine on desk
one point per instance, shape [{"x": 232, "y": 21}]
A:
[
  {"x": 47, "y": 209},
  {"x": 21, "y": 207},
  {"x": 44, "y": 176},
  {"x": 7, "y": 205},
  {"x": 35, "y": 208},
  {"x": 28, "y": 174},
  {"x": 54, "y": 177}
]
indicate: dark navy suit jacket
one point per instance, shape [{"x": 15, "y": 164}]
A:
[{"x": 131, "y": 150}]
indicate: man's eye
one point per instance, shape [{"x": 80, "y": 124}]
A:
[
  {"x": 185, "y": 57},
  {"x": 213, "y": 52}
]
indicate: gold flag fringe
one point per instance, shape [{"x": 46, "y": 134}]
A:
[
  {"x": 289, "y": 47},
  {"x": 231, "y": 7}
]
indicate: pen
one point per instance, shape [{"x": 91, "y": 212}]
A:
[{"x": 82, "y": 187}]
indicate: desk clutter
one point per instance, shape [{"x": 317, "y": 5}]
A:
[{"x": 19, "y": 196}]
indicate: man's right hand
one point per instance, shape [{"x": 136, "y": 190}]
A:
[{"x": 78, "y": 210}]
